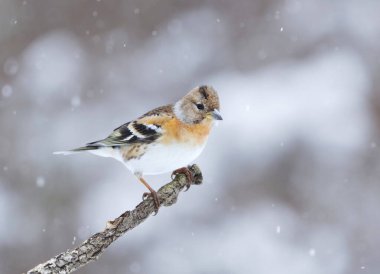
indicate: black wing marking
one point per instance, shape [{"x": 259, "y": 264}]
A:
[{"x": 146, "y": 130}]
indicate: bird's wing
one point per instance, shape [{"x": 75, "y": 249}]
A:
[
  {"x": 130, "y": 133},
  {"x": 145, "y": 129}
]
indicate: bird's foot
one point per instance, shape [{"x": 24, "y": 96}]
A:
[
  {"x": 186, "y": 171},
  {"x": 152, "y": 194}
]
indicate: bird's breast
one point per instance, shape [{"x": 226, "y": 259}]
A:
[{"x": 178, "y": 132}]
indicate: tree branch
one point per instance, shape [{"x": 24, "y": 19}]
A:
[{"x": 93, "y": 247}]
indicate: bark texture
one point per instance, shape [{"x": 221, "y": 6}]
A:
[{"x": 93, "y": 247}]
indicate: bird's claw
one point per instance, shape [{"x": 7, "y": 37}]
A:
[
  {"x": 152, "y": 194},
  {"x": 186, "y": 171}
]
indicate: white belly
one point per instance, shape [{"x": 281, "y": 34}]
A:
[{"x": 161, "y": 159}]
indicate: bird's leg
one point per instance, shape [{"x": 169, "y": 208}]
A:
[
  {"x": 152, "y": 193},
  {"x": 187, "y": 173}
]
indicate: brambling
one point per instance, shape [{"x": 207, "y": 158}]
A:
[{"x": 164, "y": 139}]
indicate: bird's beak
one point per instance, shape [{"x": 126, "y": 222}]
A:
[{"x": 215, "y": 114}]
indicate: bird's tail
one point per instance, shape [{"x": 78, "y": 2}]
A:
[{"x": 76, "y": 150}]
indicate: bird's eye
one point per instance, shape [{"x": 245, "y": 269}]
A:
[{"x": 200, "y": 106}]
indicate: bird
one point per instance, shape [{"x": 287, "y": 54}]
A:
[{"x": 164, "y": 139}]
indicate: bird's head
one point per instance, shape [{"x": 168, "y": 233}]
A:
[{"x": 199, "y": 104}]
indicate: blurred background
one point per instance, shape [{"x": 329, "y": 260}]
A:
[{"x": 291, "y": 176}]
